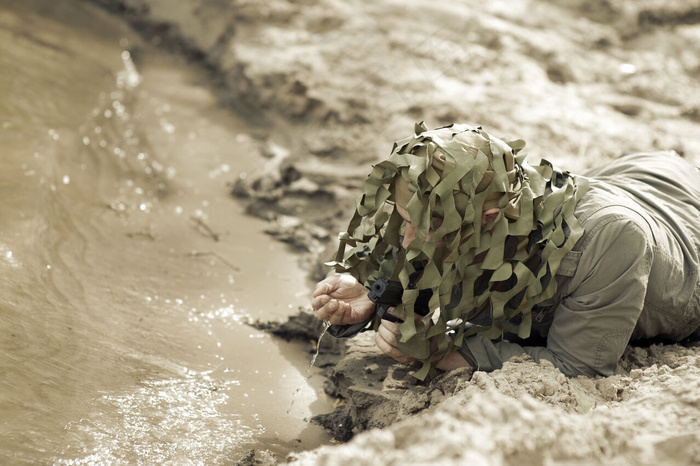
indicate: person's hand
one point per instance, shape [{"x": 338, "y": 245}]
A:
[
  {"x": 341, "y": 299},
  {"x": 387, "y": 334},
  {"x": 385, "y": 338}
]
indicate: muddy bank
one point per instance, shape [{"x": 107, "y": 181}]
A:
[
  {"x": 530, "y": 414},
  {"x": 331, "y": 84}
]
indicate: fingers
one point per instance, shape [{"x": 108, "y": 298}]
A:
[
  {"x": 390, "y": 329},
  {"x": 333, "y": 310},
  {"x": 319, "y": 301},
  {"x": 339, "y": 283},
  {"x": 322, "y": 303},
  {"x": 385, "y": 338},
  {"x": 324, "y": 287},
  {"x": 327, "y": 309},
  {"x": 341, "y": 299}
]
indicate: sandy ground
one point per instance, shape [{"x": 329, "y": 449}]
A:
[
  {"x": 523, "y": 414},
  {"x": 333, "y": 83}
]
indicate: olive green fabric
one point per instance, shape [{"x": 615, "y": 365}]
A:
[
  {"x": 633, "y": 275},
  {"x": 501, "y": 271}
]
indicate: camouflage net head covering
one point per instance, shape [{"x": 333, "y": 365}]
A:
[{"x": 483, "y": 281}]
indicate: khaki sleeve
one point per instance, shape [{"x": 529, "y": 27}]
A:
[{"x": 593, "y": 324}]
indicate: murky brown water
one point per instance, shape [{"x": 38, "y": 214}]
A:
[{"x": 121, "y": 316}]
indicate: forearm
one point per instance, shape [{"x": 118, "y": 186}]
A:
[
  {"x": 486, "y": 355},
  {"x": 453, "y": 360}
]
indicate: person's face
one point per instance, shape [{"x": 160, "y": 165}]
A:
[{"x": 410, "y": 230}]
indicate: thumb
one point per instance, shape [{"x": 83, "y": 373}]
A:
[
  {"x": 326, "y": 286},
  {"x": 416, "y": 317},
  {"x": 321, "y": 288}
]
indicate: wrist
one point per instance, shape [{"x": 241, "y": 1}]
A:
[{"x": 452, "y": 360}]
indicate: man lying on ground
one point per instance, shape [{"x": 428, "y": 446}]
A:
[{"x": 497, "y": 258}]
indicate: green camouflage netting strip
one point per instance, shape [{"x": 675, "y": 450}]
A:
[{"x": 455, "y": 173}]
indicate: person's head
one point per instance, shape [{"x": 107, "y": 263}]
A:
[{"x": 459, "y": 171}]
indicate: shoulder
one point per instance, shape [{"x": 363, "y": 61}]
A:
[
  {"x": 606, "y": 215},
  {"x": 617, "y": 240},
  {"x": 609, "y": 222},
  {"x": 635, "y": 165},
  {"x": 615, "y": 253}
]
